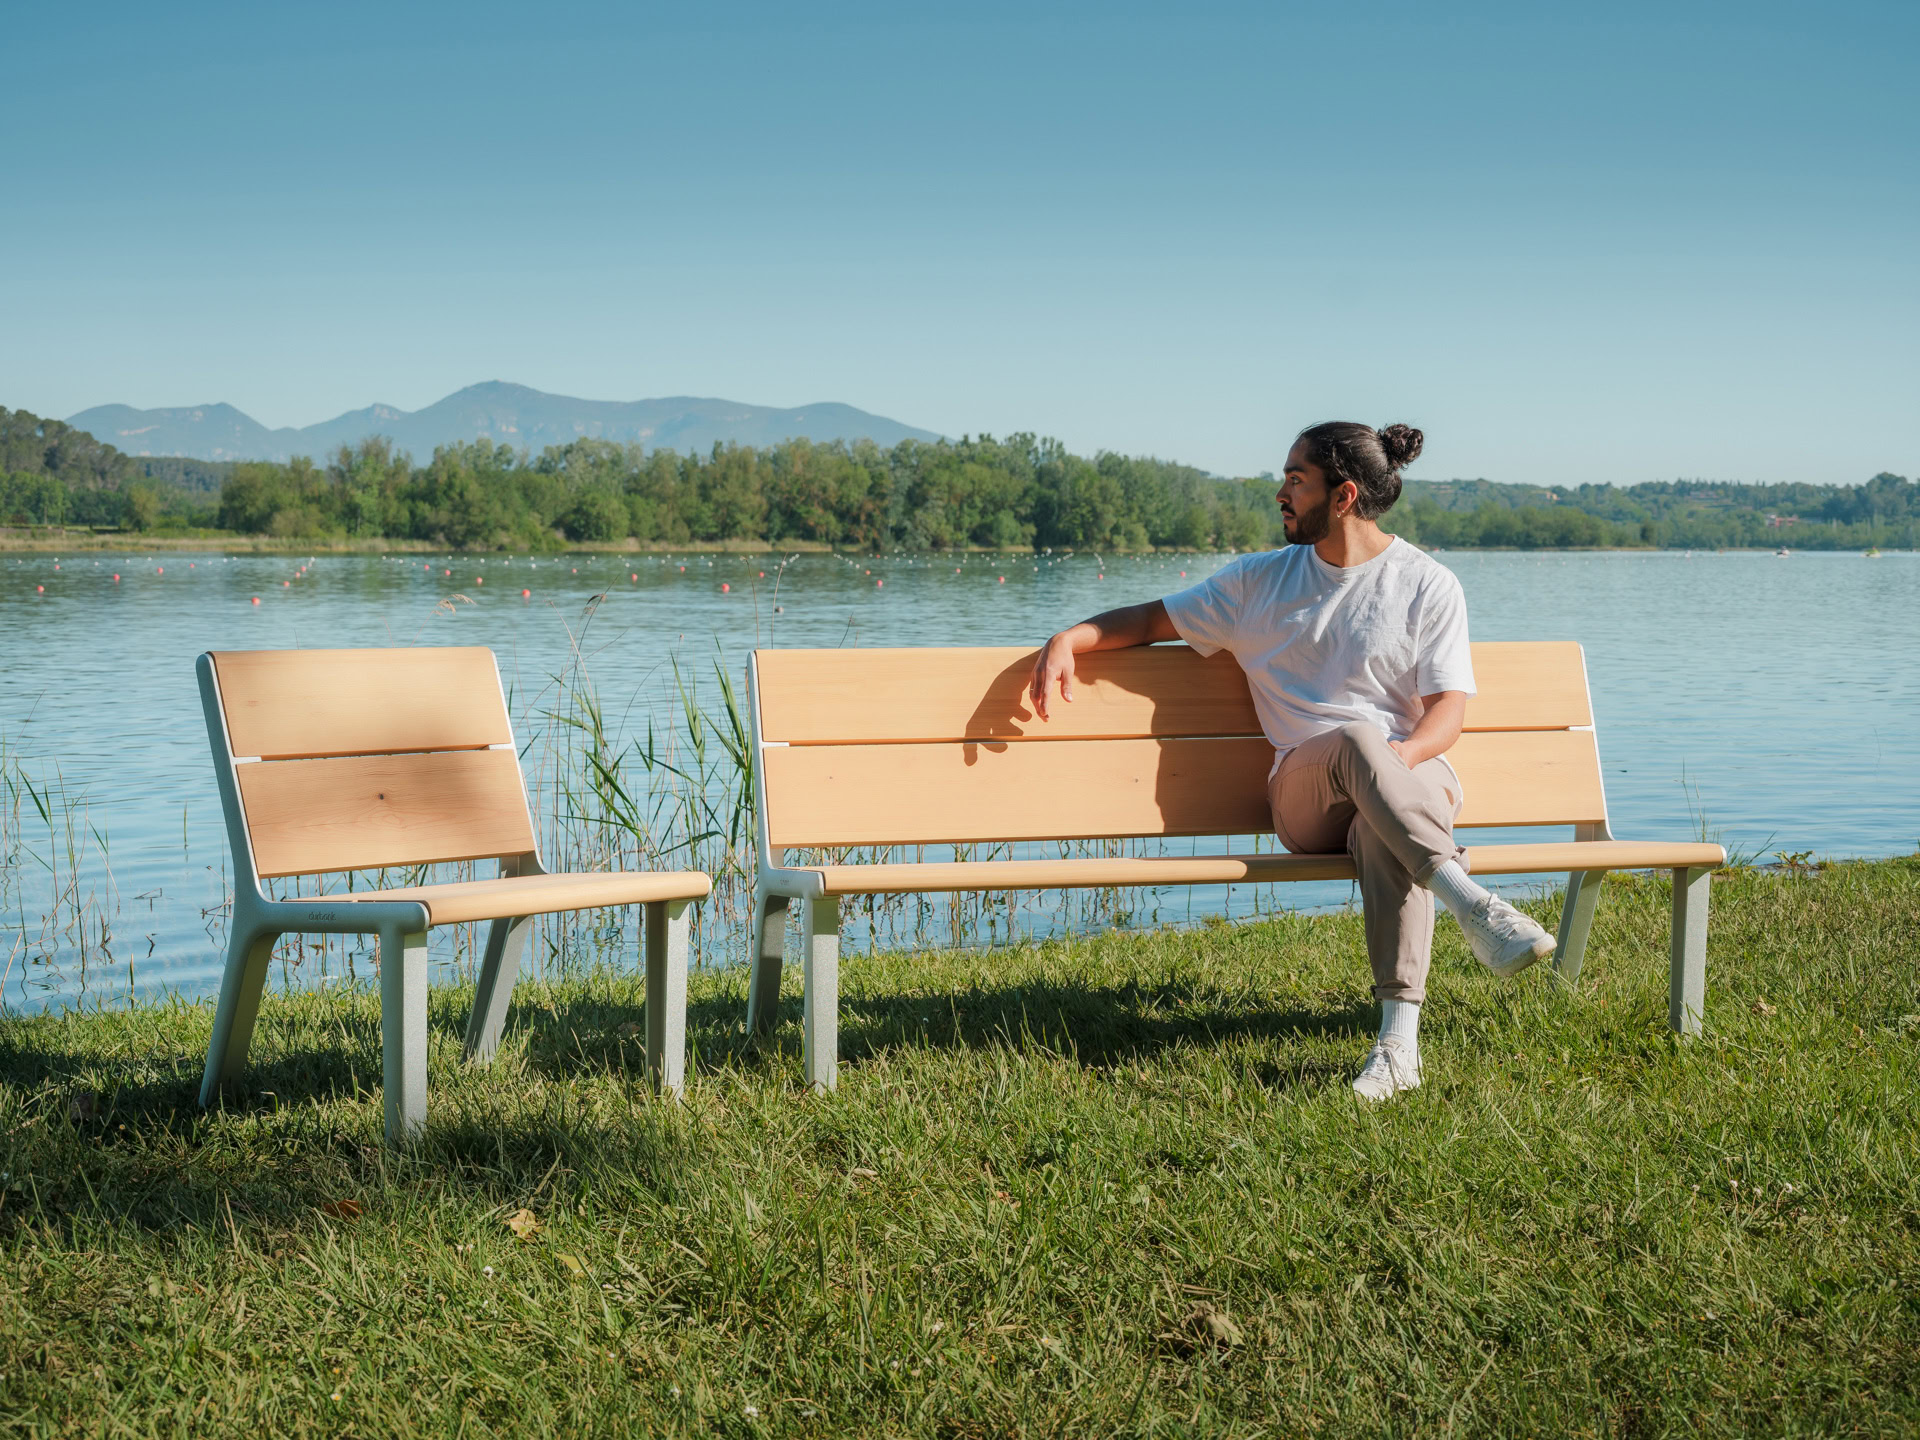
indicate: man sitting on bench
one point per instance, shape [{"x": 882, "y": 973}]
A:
[{"x": 1355, "y": 649}]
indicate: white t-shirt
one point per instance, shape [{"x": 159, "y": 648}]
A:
[{"x": 1323, "y": 645}]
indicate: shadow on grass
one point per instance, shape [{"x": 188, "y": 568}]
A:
[
  {"x": 143, "y": 1149},
  {"x": 1099, "y": 1026}
]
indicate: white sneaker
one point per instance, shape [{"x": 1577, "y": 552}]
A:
[
  {"x": 1390, "y": 1068},
  {"x": 1503, "y": 939}
]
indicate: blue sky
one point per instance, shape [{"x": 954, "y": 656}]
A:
[{"x": 1621, "y": 242}]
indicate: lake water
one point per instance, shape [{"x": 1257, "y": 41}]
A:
[{"x": 1776, "y": 702}]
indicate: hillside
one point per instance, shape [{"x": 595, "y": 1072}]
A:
[{"x": 504, "y": 413}]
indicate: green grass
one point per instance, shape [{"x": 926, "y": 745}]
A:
[{"x": 1115, "y": 1187}]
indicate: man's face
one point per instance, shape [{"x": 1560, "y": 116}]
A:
[{"x": 1306, "y": 506}]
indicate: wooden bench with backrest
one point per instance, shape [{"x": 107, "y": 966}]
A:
[
  {"x": 352, "y": 760},
  {"x": 857, "y": 748}
]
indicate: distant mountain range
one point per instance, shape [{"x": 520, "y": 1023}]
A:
[{"x": 498, "y": 411}]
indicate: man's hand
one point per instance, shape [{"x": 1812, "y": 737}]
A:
[
  {"x": 1439, "y": 727},
  {"x": 1109, "y": 630},
  {"x": 1052, "y": 666}
]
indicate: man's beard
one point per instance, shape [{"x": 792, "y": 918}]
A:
[{"x": 1310, "y": 526}]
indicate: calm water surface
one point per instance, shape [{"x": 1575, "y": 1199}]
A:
[{"x": 1774, "y": 701}]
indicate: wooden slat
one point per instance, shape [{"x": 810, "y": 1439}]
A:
[
  {"x": 869, "y": 696},
  {"x": 309, "y": 816},
  {"x": 813, "y": 697},
  {"x": 1528, "y": 685},
  {"x": 934, "y": 876},
  {"x": 912, "y": 794},
  {"x": 466, "y": 900},
  {"x": 1529, "y": 777},
  {"x": 288, "y": 704},
  {"x": 906, "y": 794}
]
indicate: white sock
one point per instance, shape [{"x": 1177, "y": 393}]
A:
[
  {"x": 1400, "y": 1021},
  {"x": 1456, "y": 891}
]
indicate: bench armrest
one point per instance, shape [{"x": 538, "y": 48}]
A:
[
  {"x": 798, "y": 884},
  {"x": 323, "y": 915}
]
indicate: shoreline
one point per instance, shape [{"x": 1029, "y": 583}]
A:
[{"x": 121, "y": 543}]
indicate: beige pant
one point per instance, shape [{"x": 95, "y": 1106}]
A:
[{"x": 1349, "y": 790}]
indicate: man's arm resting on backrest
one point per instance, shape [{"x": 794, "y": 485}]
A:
[
  {"x": 1110, "y": 630},
  {"x": 1437, "y": 730}
]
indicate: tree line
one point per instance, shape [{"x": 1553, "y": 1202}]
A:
[{"x": 1017, "y": 492}]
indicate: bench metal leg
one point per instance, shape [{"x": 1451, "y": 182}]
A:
[
  {"x": 403, "y": 1032},
  {"x": 1576, "y": 919},
  {"x": 506, "y": 947},
  {"x": 769, "y": 942},
  {"x": 668, "y": 924},
  {"x": 248, "y": 954},
  {"x": 1687, "y": 985},
  {"x": 820, "y": 1045}
]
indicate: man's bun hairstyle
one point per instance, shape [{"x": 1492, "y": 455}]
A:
[{"x": 1372, "y": 459}]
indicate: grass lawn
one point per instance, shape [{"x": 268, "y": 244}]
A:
[{"x": 1106, "y": 1188}]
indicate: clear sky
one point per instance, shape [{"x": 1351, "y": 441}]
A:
[{"x": 1599, "y": 242}]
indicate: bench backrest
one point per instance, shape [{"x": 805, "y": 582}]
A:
[
  {"x": 939, "y": 746},
  {"x": 358, "y": 759}
]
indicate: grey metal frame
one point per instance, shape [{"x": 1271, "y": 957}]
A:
[
  {"x": 777, "y": 888},
  {"x": 259, "y": 921}
]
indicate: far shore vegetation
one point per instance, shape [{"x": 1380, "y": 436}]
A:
[{"x": 62, "y": 485}]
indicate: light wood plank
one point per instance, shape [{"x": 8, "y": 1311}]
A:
[
  {"x": 1529, "y": 777},
  {"x": 906, "y": 794},
  {"x": 310, "y": 816},
  {"x": 465, "y": 900},
  {"x": 812, "y": 697},
  {"x": 913, "y": 794},
  {"x": 1528, "y": 685},
  {"x": 1542, "y": 859},
  {"x": 960, "y": 693},
  {"x": 294, "y": 704}
]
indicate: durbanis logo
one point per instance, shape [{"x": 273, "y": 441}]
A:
[{"x": 323, "y": 916}]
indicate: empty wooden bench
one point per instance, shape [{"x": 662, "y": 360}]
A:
[
  {"x": 341, "y": 760},
  {"x": 939, "y": 747}
]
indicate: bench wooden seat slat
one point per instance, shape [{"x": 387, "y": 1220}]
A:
[
  {"x": 947, "y": 793},
  {"x": 937, "y": 877},
  {"x": 463, "y": 901},
  {"x": 1164, "y": 692},
  {"x": 295, "y": 704},
  {"x": 310, "y": 817},
  {"x": 937, "y": 746}
]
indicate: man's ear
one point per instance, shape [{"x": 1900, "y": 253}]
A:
[{"x": 1346, "y": 495}]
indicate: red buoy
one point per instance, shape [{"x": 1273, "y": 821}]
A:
[
  {"x": 878, "y": 583},
  {"x": 116, "y": 579},
  {"x": 633, "y": 577},
  {"x": 256, "y": 599},
  {"x": 724, "y": 587},
  {"x": 39, "y": 589},
  {"x": 526, "y": 594}
]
